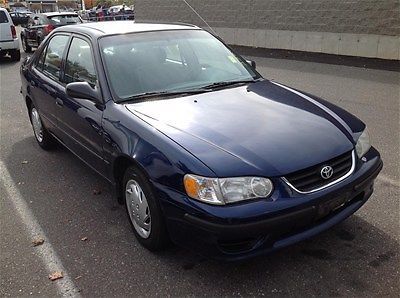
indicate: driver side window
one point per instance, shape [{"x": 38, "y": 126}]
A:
[{"x": 79, "y": 65}]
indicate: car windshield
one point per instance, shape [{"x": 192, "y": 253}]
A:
[
  {"x": 64, "y": 19},
  {"x": 169, "y": 62}
]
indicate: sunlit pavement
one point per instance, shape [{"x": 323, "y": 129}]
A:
[{"x": 358, "y": 257}]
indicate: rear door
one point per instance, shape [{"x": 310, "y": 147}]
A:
[
  {"x": 5, "y": 30},
  {"x": 45, "y": 82},
  {"x": 80, "y": 119}
]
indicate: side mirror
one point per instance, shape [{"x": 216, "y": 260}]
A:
[
  {"x": 84, "y": 91},
  {"x": 252, "y": 63}
]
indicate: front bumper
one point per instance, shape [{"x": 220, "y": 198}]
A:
[{"x": 244, "y": 230}]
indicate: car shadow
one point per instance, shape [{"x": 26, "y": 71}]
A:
[
  {"x": 7, "y": 60},
  {"x": 70, "y": 202}
]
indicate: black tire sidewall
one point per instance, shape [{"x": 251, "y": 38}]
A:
[{"x": 158, "y": 234}]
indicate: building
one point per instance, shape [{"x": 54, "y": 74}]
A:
[
  {"x": 341, "y": 27},
  {"x": 43, "y": 5}
]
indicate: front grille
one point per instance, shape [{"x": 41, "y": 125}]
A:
[{"x": 310, "y": 178}]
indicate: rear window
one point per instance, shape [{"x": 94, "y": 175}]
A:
[
  {"x": 3, "y": 17},
  {"x": 64, "y": 19}
]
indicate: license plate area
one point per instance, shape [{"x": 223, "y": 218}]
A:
[{"x": 331, "y": 205}]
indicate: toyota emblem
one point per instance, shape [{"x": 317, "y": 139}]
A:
[{"x": 326, "y": 172}]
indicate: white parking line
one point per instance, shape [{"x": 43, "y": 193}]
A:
[
  {"x": 387, "y": 180},
  {"x": 46, "y": 252}
]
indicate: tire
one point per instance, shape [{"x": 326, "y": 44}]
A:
[
  {"x": 15, "y": 55},
  {"x": 42, "y": 136},
  {"x": 25, "y": 46},
  {"x": 154, "y": 236}
]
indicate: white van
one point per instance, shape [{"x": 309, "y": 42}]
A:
[{"x": 9, "y": 43}]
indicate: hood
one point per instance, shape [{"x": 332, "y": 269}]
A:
[{"x": 260, "y": 129}]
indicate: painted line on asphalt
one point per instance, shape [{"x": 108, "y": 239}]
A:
[
  {"x": 387, "y": 180},
  {"x": 46, "y": 252}
]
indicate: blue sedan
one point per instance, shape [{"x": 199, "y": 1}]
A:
[{"x": 202, "y": 150}]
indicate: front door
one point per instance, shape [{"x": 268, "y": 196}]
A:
[{"x": 80, "y": 119}]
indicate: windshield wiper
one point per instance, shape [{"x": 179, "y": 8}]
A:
[
  {"x": 163, "y": 93},
  {"x": 227, "y": 83}
]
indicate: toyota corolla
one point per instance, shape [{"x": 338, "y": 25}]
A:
[{"x": 200, "y": 147}]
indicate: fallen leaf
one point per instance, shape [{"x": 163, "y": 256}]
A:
[
  {"x": 55, "y": 275},
  {"x": 24, "y": 162},
  {"x": 37, "y": 241},
  {"x": 84, "y": 239},
  {"x": 96, "y": 192}
]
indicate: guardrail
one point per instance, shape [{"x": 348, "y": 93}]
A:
[{"x": 108, "y": 18}]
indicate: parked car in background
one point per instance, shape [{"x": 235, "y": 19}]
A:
[
  {"x": 120, "y": 12},
  {"x": 200, "y": 148},
  {"x": 9, "y": 43},
  {"x": 40, "y": 25},
  {"x": 19, "y": 18}
]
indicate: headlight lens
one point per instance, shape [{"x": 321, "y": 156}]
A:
[
  {"x": 220, "y": 191},
  {"x": 363, "y": 143}
]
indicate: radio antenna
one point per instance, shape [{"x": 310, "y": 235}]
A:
[{"x": 201, "y": 18}]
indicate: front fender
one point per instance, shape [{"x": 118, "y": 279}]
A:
[{"x": 164, "y": 161}]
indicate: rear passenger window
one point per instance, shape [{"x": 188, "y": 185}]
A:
[
  {"x": 40, "y": 61},
  {"x": 3, "y": 17},
  {"x": 53, "y": 57},
  {"x": 80, "y": 67}
]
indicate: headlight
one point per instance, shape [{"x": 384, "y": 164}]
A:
[
  {"x": 220, "y": 191},
  {"x": 363, "y": 143}
]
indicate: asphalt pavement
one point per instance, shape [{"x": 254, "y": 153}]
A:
[{"x": 52, "y": 195}]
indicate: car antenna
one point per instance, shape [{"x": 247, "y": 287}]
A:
[{"x": 201, "y": 18}]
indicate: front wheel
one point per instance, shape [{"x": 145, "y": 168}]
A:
[
  {"x": 42, "y": 136},
  {"x": 144, "y": 211}
]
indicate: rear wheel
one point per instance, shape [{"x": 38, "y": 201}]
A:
[
  {"x": 15, "y": 55},
  {"x": 43, "y": 137},
  {"x": 144, "y": 211}
]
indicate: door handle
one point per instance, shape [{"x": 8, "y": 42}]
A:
[
  {"x": 50, "y": 90},
  {"x": 59, "y": 102}
]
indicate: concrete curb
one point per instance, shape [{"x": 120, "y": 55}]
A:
[{"x": 361, "y": 45}]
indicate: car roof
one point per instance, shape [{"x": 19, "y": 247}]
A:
[{"x": 120, "y": 27}]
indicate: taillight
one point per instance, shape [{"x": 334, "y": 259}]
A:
[
  {"x": 48, "y": 28},
  {"x": 13, "y": 32}
]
